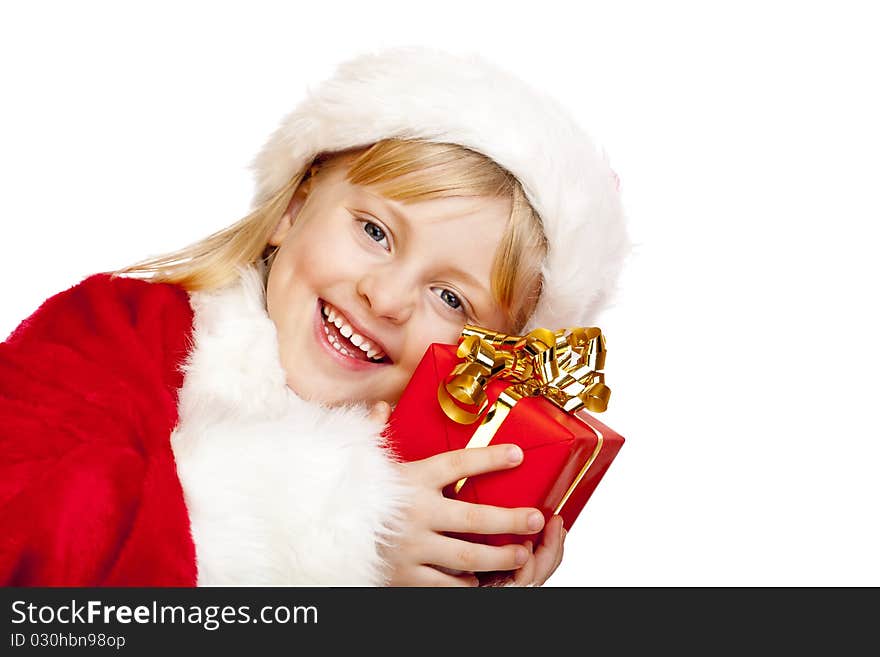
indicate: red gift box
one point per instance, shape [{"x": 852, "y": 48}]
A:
[{"x": 566, "y": 454}]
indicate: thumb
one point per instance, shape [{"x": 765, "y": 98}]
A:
[{"x": 380, "y": 412}]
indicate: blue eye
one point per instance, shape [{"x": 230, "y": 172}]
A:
[
  {"x": 375, "y": 233},
  {"x": 450, "y": 298}
]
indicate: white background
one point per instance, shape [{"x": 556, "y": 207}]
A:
[{"x": 743, "y": 348}]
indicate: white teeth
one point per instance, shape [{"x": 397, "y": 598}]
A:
[{"x": 347, "y": 331}]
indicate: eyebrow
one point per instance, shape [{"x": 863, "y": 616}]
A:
[
  {"x": 468, "y": 278},
  {"x": 464, "y": 275},
  {"x": 378, "y": 198}
]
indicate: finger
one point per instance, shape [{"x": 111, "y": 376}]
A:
[
  {"x": 455, "y": 553},
  {"x": 465, "y": 517},
  {"x": 380, "y": 412},
  {"x": 549, "y": 553},
  {"x": 428, "y": 576},
  {"x": 467, "y": 580},
  {"x": 564, "y": 533},
  {"x": 526, "y": 575},
  {"x": 455, "y": 578},
  {"x": 464, "y": 578},
  {"x": 448, "y": 467},
  {"x": 561, "y": 544}
]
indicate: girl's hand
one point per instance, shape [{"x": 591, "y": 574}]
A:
[
  {"x": 424, "y": 556},
  {"x": 542, "y": 562}
]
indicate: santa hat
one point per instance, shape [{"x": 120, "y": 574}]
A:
[{"x": 424, "y": 93}]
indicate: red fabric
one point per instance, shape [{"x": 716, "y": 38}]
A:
[
  {"x": 89, "y": 493},
  {"x": 556, "y": 445}
]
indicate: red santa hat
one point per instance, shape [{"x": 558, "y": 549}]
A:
[{"x": 424, "y": 93}]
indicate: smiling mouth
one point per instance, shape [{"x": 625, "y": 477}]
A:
[{"x": 342, "y": 337}]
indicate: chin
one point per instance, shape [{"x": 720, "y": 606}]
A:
[{"x": 329, "y": 395}]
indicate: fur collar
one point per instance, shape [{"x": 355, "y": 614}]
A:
[{"x": 279, "y": 490}]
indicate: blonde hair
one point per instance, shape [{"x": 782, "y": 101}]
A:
[{"x": 402, "y": 170}]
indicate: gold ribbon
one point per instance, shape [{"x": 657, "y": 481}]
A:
[{"x": 561, "y": 366}]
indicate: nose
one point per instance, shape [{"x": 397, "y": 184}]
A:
[{"x": 389, "y": 292}]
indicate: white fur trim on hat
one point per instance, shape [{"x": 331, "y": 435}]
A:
[{"x": 422, "y": 93}]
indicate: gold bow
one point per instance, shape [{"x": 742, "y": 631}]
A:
[{"x": 561, "y": 366}]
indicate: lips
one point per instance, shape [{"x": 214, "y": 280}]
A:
[{"x": 348, "y": 338}]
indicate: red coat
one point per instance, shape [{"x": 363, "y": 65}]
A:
[
  {"x": 89, "y": 494},
  {"x": 148, "y": 437}
]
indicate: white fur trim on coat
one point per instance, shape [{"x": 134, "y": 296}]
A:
[
  {"x": 424, "y": 93},
  {"x": 279, "y": 491}
]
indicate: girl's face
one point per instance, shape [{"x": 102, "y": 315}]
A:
[{"x": 362, "y": 284}]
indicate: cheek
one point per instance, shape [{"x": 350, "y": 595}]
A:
[
  {"x": 428, "y": 331},
  {"x": 394, "y": 387},
  {"x": 317, "y": 261},
  {"x": 421, "y": 334}
]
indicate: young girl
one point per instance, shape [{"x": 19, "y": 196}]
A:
[{"x": 213, "y": 416}]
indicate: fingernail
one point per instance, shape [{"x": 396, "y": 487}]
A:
[
  {"x": 522, "y": 555},
  {"x": 536, "y": 521},
  {"x": 514, "y": 454}
]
